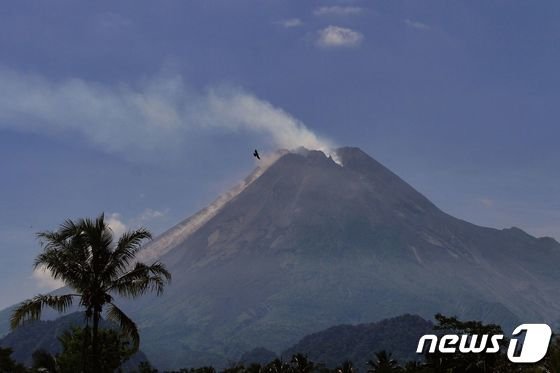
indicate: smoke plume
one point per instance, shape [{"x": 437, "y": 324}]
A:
[{"x": 154, "y": 115}]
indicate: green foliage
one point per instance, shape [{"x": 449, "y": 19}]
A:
[
  {"x": 278, "y": 366},
  {"x": 7, "y": 364},
  {"x": 346, "y": 367},
  {"x": 43, "y": 361},
  {"x": 236, "y": 368},
  {"x": 114, "y": 351},
  {"x": 453, "y": 325},
  {"x": 146, "y": 367},
  {"x": 460, "y": 362},
  {"x": 301, "y": 364},
  {"x": 383, "y": 363}
]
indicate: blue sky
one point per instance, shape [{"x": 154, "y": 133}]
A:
[{"x": 148, "y": 110}]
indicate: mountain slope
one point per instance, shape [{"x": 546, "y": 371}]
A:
[{"x": 308, "y": 244}]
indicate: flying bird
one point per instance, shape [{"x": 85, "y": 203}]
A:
[{"x": 256, "y": 154}]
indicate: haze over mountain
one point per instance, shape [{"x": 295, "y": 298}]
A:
[{"x": 306, "y": 243}]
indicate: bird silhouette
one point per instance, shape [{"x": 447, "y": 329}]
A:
[{"x": 256, "y": 154}]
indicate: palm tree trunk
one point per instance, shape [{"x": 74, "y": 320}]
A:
[
  {"x": 86, "y": 342},
  {"x": 85, "y": 348},
  {"x": 94, "y": 342}
]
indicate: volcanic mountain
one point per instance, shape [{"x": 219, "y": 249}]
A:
[{"x": 309, "y": 242}]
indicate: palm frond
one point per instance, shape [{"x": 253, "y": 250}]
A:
[
  {"x": 98, "y": 238},
  {"x": 67, "y": 263},
  {"x": 127, "y": 247},
  {"x": 65, "y": 252},
  {"x": 142, "y": 278},
  {"x": 127, "y": 326},
  {"x": 31, "y": 309},
  {"x": 67, "y": 229},
  {"x": 78, "y": 252}
]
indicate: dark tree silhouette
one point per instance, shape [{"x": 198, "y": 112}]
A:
[
  {"x": 301, "y": 364},
  {"x": 43, "y": 360},
  {"x": 277, "y": 366},
  {"x": 7, "y": 364},
  {"x": 383, "y": 363},
  {"x": 346, "y": 367},
  {"x": 476, "y": 363},
  {"x": 85, "y": 257}
]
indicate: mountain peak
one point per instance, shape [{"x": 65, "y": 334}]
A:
[
  {"x": 352, "y": 151},
  {"x": 359, "y": 160},
  {"x": 313, "y": 239}
]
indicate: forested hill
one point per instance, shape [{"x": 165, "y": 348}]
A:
[{"x": 358, "y": 343}]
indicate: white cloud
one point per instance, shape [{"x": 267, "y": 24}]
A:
[
  {"x": 337, "y": 10},
  {"x": 486, "y": 202},
  {"x": 147, "y": 217},
  {"x": 416, "y": 25},
  {"x": 335, "y": 36},
  {"x": 44, "y": 280},
  {"x": 291, "y": 22},
  {"x": 146, "y": 119},
  {"x": 149, "y": 214},
  {"x": 117, "y": 225}
]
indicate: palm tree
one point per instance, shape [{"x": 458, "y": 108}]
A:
[
  {"x": 85, "y": 257},
  {"x": 384, "y": 363},
  {"x": 552, "y": 359}
]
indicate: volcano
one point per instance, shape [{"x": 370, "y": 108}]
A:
[{"x": 308, "y": 242}]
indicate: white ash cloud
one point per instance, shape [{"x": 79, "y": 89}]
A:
[{"x": 147, "y": 118}]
